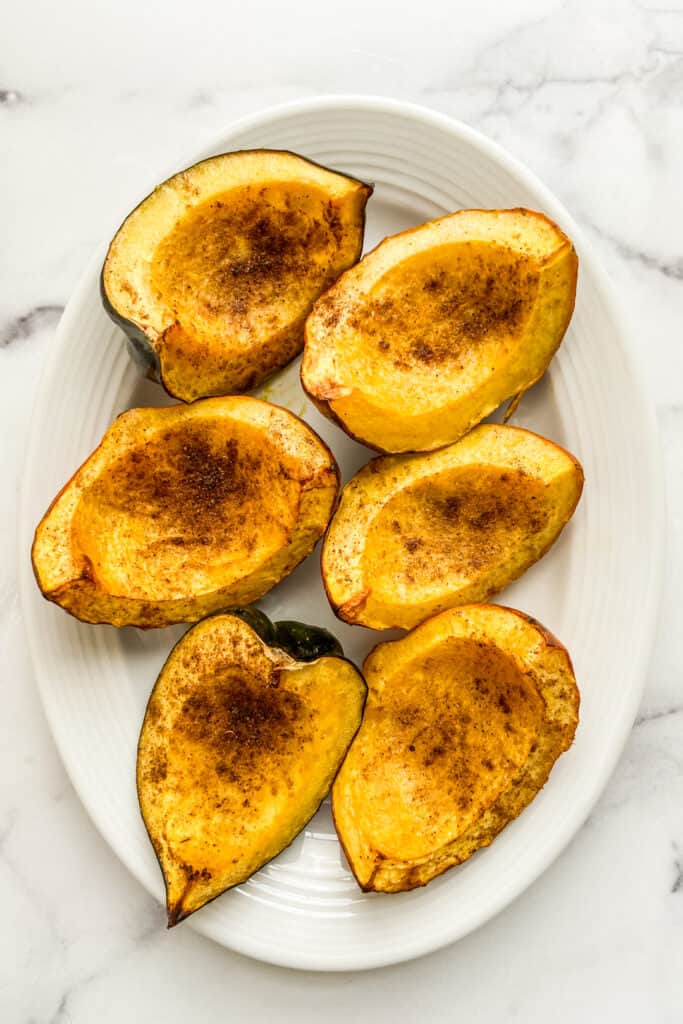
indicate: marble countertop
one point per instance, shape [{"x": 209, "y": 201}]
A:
[{"x": 94, "y": 98}]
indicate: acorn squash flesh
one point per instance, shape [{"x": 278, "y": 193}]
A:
[
  {"x": 239, "y": 746},
  {"x": 465, "y": 717},
  {"x": 212, "y": 275},
  {"x": 415, "y": 534},
  {"x": 439, "y": 325}
]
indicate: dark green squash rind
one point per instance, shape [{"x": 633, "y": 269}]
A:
[
  {"x": 140, "y": 347},
  {"x": 300, "y": 640},
  {"x": 306, "y": 643},
  {"x": 256, "y": 620}
]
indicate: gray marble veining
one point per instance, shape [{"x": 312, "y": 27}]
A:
[{"x": 38, "y": 318}]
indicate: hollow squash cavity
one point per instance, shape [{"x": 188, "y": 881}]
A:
[
  {"x": 466, "y": 716},
  {"x": 438, "y": 325},
  {"x": 229, "y": 260},
  {"x": 415, "y": 534},
  {"x": 443, "y": 316},
  {"x": 432, "y": 711},
  {"x": 455, "y": 525},
  {"x": 188, "y": 505},
  {"x": 184, "y": 510}
]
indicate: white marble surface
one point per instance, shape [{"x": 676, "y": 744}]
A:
[{"x": 94, "y": 97}]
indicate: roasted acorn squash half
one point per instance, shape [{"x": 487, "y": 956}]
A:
[
  {"x": 239, "y": 746},
  {"x": 437, "y": 326},
  {"x": 465, "y": 718},
  {"x": 415, "y": 534},
  {"x": 184, "y": 510},
  {"x": 213, "y": 274}
]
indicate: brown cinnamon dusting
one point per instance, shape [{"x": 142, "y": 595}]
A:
[
  {"x": 245, "y": 722},
  {"x": 448, "y": 732},
  {"x": 188, "y": 477},
  {"x": 248, "y": 254},
  {"x": 461, "y": 523},
  {"x": 434, "y": 310}
]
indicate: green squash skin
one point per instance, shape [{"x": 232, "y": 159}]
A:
[
  {"x": 257, "y": 620},
  {"x": 301, "y": 641},
  {"x": 306, "y": 643},
  {"x": 141, "y": 349}
]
